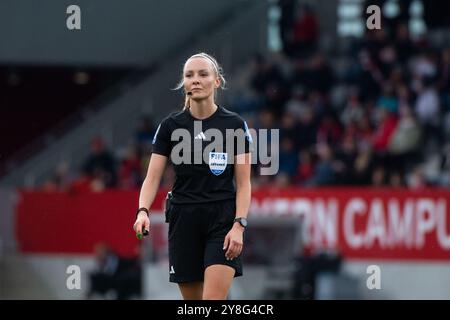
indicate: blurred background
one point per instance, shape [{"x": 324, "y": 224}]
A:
[{"x": 358, "y": 208}]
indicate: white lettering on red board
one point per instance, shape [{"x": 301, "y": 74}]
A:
[{"x": 386, "y": 223}]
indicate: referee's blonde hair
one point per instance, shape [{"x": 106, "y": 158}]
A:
[{"x": 215, "y": 66}]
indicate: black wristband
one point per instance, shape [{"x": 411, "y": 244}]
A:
[{"x": 142, "y": 209}]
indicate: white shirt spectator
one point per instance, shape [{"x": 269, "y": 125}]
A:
[{"x": 427, "y": 107}]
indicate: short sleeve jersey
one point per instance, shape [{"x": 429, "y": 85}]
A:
[{"x": 202, "y": 153}]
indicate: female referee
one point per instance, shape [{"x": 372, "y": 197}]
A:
[{"x": 210, "y": 200}]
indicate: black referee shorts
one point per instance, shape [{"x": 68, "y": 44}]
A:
[{"x": 196, "y": 236}]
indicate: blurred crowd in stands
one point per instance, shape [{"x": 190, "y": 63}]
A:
[{"x": 377, "y": 114}]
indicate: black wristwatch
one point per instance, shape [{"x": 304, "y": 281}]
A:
[
  {"x": 242, "y": 221},
  {"x": 142, "y": 209}
]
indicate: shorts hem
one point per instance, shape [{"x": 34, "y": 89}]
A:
[
  {"x": 185, "y": 280},
  {"x": 237, "y": 271}
]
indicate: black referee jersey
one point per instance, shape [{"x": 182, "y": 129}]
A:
[{"x": 208, "y": 173}]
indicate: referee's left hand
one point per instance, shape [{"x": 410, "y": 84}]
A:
[{"x": 233, "y": 242}]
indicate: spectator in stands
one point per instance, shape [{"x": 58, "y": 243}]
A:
[
  {"x": 379, "y": 177},
  {"x": 323, "y": 170},
  {"x": 305, "y": 169},
  {"x": 266, "y": 120},
  {"x": 407, "y": 134},
  {"x": 297, "y": 105},
  {"x": 363, "y": 132},
  {"x": 428, "y": 109},
  {"x": 288, "y": 157},
  {"x": 269, "y": 82},
  {"x": 397, "y": 180},
  {"x": 387, "y": 125},
  {"x": 83, "y": 183},
  {"x": 114, "y": 274},
  {"x": 305, "y": 33},
  {"x": 320, "y": 76},
  {"x": 403, "y": 43},
  {"x": 289, "y": 128},
  {"x": 444, "y": 79},
  {"x": 287, "y": 19},
  {"x": 422, "y": 66},
  {"x": 307, "y": 129},
  {"x": 363, "y": 167},
  {"x": 282, "y": 180},
  {"x": 329, "y": 130},
  {"x": 265, "y": 73},
  {"x": 59, "y": 181},
  {"x": 417, "y": 179},
  {"x": 145, "y": 131},
  {"x": 100, "y": 164},
  {"x": 345, "y": 161},
  {"x": 444, "y": 177},
  {"x": 353, "y": 111},
  {"x": 130, "y": 169},
  {"x": 367, "y": 76}
]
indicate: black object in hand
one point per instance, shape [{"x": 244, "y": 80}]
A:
[{"x": 140, "y": 235}]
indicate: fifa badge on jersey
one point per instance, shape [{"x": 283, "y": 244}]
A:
[{"x": 217, "y": 162}]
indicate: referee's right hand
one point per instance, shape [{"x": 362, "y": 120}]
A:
[{"x": 142, "y": 222}]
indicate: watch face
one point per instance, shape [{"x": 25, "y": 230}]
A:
[{"x": 243, "y": 222}]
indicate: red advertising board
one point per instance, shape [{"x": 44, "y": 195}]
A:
[
  {"x": 366, "y": 223},
  {"x": 362, "y": 223}
]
